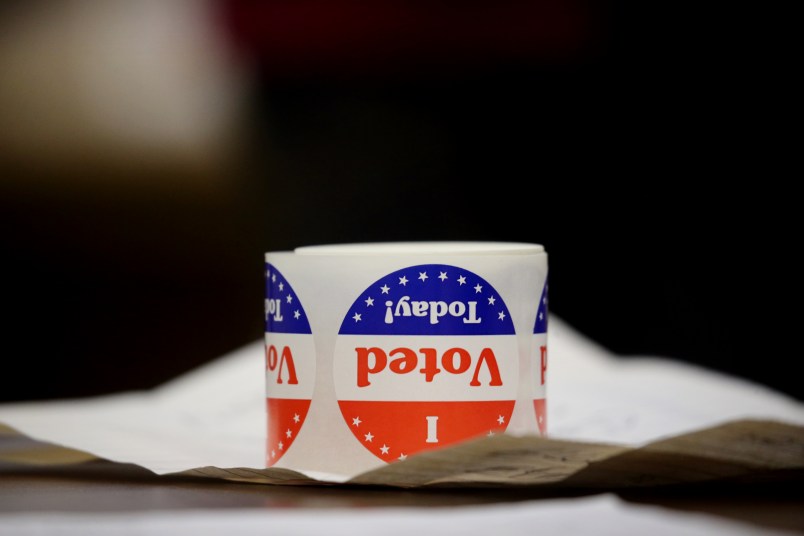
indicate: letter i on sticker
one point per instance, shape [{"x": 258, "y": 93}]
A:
[
  {"x": 289, "y": 364},
  {"x": 425, "y": 357},
  {"x": 539, "y": 361}
]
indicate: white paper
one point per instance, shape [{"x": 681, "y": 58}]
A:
[
  {"x": 214, "y": 415},
  {"x": 595, "y": 395}
]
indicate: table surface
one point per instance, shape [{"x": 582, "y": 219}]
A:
[{"x": 104, "y": 486}]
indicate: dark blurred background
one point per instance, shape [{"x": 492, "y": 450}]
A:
[{"x": 151, "y": 152}]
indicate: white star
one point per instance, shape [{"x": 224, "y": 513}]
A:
[
  {"x": 357, "y": 317},
  {"x": 541, "y": 316},
  {"x": 442, "y": 276},
  {"x": 478, "y": 288},
  {"x": 281, "y": 445},
  {"x": 385, "y": 289},
  {"x": 295, "y": 417},
  {"x": 369, "y": 436},
  {"x": 296, "y": 314},
  {"x": 384, "y": 448},
  {"x": 273, "y": 278},
  {"x": 268, "y": 274},
  {"x": 423, "y": 276},
  {"x": 541, "y": 419},
  {"x": 273, "y": 454},
  {"x": 501, "y": 315},
  {"x": 403, "y": 456},
  {"x": 369, "y": 302},
  {"x": 544, "y": 300},
  {"x": 491, "y": 300},
  {"x": 356, "y": 421},
  {"x": 501, "y": 419},
  {"x": 288, "y": 433},
  {"x": 281, "y": 286},
  {"x": 461, "y": 280},
  {"x": 290, "y": 298},
  {"x": 403, "y": 280},
  {"x": 490, "y": 433}
]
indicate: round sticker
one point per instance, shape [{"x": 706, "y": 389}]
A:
[
  {"x": 425, "y": 357},
  {"x": 289, "y": 364},
  {"x": 539, "y": 361}
]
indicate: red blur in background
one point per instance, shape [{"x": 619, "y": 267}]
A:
[{"x": 385, "y": 38}]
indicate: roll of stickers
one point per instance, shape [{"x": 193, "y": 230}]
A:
[{"x": 376, "y": 352}]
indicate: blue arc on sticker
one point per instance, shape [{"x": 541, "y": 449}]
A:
[
  {"x": 541, "y": 314},
  {"x": 429, "y": 299},
  {"x": 283, "y": 309}
]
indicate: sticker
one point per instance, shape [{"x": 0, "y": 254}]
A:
[
  {"x": 539, "y": 363},
  {"x": 425, "y": 357},
  {"x": 289, "y": 364}
]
